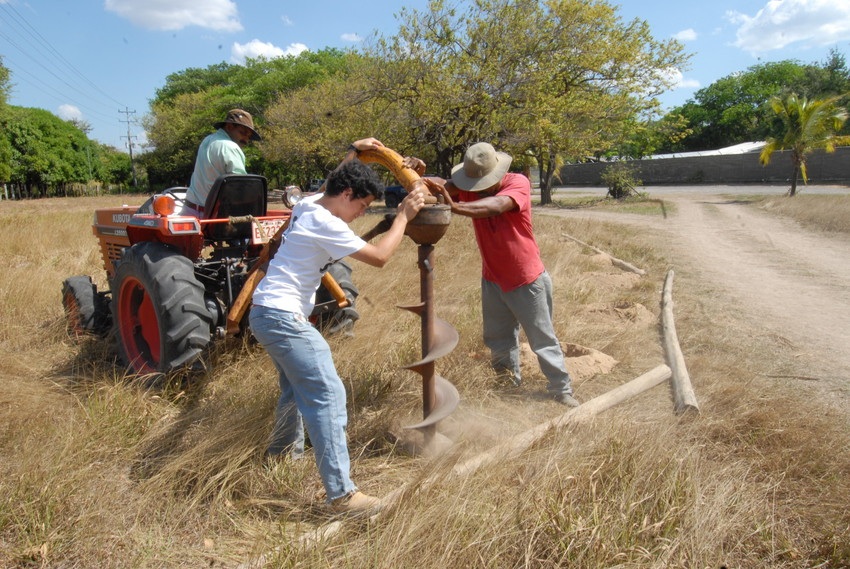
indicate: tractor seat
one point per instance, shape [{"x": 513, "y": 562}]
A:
[{"x": 235, "y": 195}]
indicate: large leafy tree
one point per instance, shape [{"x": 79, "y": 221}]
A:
[
  {"x": 47, "y": 153},
  {"x": 828, "y": 79},
  {"x": 308, "y": 130},
  {"x": 114, "y": 167},
  {"x": 594, "y": 82},
  {"x": 505, "y": 71},
  {"x": 43, "y": 155},
  {"x": 184, "y": 109},
  {"x": 808, "y": 125}
]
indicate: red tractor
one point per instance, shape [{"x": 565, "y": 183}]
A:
[{"x": 174, "y": 280}]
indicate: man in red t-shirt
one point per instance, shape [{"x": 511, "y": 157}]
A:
[{"x": 516, "y": 289}]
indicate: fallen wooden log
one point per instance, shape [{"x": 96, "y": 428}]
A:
[
  {"x": 614, "y": 260},
  {"x": 684, "y": 398},
  {"x": 517, "y": 444}
]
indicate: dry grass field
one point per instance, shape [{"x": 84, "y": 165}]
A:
[{"x": 98, "y": 469}]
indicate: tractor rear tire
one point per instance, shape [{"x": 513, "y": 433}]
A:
[
  {"x": 85, "y": 309},
  {"x": 160, "y": 320}
]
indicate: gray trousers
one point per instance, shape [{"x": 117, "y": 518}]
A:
[{"x": 529, "y": 306}]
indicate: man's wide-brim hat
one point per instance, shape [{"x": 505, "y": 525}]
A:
[
  {"x": 238, "y": 116},
  {"x": 482, "y": 168}
]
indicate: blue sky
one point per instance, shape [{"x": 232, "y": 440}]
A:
[{"x": 95, "y": 59}]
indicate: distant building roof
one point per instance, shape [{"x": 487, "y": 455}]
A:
[{"x": 742, "y": 148}]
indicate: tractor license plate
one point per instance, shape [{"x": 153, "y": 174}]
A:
[{"x": 265, "y": 230}]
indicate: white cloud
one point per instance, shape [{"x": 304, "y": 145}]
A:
[
  {"x": 255, "y": 49},
  {"x": 351, "y": 37},
  {"x": 219, "y": 15},
  {"x": 784, "y": 22},
  {"x": 287, "y": 21},
  {"x": 69, "y": 112},
  {"x": 686, "y": 35},
  {"x": 677, "y": 79}
]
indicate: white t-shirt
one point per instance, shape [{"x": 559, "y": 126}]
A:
[{"x": 314, "y": 239}]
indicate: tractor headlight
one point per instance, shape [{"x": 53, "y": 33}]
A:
[{"x": 292, "y": 195}]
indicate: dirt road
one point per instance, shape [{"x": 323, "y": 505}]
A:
[{"x": 794, "y": 282}]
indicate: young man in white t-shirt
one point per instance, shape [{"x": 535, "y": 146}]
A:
[{"x": 312, "y": 392}]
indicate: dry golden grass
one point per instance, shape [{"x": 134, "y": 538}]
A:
[
  {"x": 828, "y": 213},
  {"x": 98, "y": 470}
]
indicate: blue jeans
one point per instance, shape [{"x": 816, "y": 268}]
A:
[
  {"x": 311, "y": 394},
  {"x": 529, "y": 306}
]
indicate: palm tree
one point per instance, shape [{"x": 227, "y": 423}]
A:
[{"x": 808, "y": 125}]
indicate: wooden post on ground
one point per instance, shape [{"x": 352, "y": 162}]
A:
[
  {"x": 614, "y": 260},
  {"x": 517, "y": 444},
  {"x": 684, "y": 398}
]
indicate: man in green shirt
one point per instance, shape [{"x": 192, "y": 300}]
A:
[{"x": 220, "y": 153}]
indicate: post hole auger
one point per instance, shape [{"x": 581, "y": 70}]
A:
[{"x": 439, "y": 397}]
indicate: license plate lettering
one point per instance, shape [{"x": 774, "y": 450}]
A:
[{"x": 265, "y": 230}]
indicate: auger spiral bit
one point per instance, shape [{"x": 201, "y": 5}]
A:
[
  {"x": 439, "y": 338},
  {"x": 439, "y": 396}
]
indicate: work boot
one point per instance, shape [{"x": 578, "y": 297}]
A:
[
  {"x": 356, "y": 503},
  {"x": 567, "y": 399}
]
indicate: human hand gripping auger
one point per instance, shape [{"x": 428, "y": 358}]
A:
[{"x": 439, "y": 397}]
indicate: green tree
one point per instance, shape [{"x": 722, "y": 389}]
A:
[
  {"x": 506, "y": 72},
  {"x": 808, "y": 126},
  {"x": 48, "y": 154},
  {"x": 646, "y": 137},
  {"x": 114, "y": 167},
  {"x": 194, "y": 80},
  {"x": 829, "y": 79},
  {"x": 5, "y": 145},
  {"x": 597, "y": 79},
  {"x": 184, "y": 109},
  {"x": 737, "y": 108},
  {"x": 309, "y": 129}
]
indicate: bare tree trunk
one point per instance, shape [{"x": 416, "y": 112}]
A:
[
  {"x": 793, "y": 191},
  {"x": 546, "y": 171}
]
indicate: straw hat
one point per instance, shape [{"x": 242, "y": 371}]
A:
[{"x": 482, "y": 168}]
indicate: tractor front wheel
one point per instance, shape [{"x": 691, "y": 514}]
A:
[
  {"x": 160, "y": 319},
  {"x": 85, "y": 310}
]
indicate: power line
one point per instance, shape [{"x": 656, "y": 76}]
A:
[
  {"x": 31, "y": 36},
  {"x": 47, "y": 70},
  {"x": 21, "y": 73},
  {"x": 130, "y": 138}
]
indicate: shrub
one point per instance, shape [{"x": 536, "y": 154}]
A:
[{"x": 621, "y": 179}]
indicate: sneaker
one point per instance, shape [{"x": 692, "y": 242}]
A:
[
  {"x": 567, "y": 399},
  {"x": 356, "y": 503}
]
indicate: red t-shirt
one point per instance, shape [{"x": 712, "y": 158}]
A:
[{"x": 510, "y": 256}]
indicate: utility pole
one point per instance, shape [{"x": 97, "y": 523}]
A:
[{"x": 129, "y": 138}]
